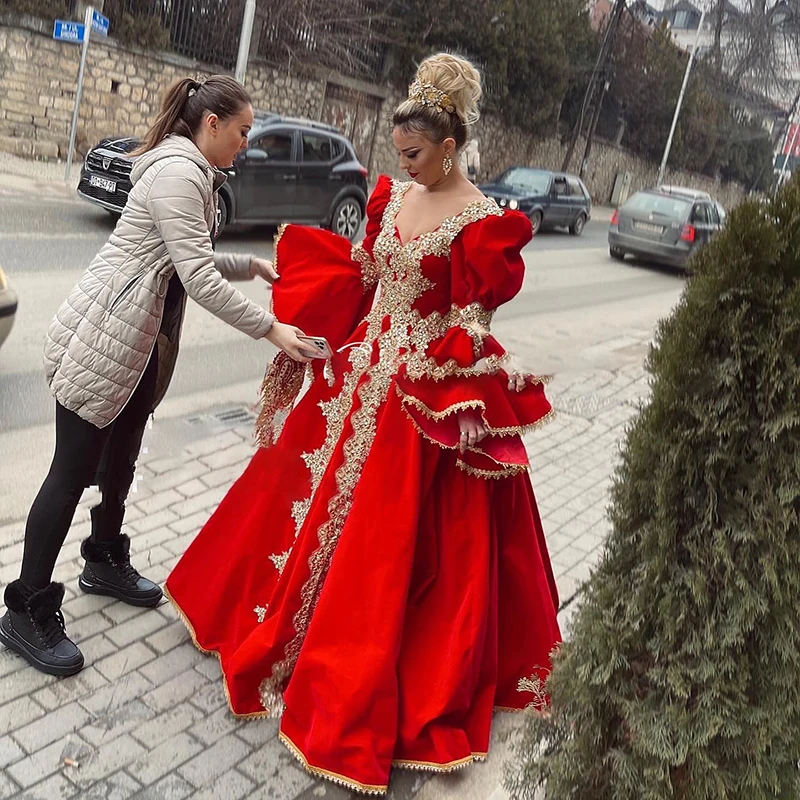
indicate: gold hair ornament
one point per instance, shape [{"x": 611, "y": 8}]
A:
[{"x": 426, "y": 94}]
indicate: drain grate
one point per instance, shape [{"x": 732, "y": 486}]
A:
[
  {"x": 227, "y": 417},
  {"x": 235, "y": 416},
  {"x": 585, "y": 406}
]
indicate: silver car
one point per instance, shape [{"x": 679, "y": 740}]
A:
[
  {"x": 8, "y": 308},
  {"x": 665, "y": 225}
]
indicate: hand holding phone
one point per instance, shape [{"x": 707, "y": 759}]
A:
[{"x": 318, "y": 346}]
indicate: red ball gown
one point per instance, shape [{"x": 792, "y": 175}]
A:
[{"x": 365, "y": 581}]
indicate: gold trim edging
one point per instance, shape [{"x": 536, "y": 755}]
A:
[
  {"x": 298, "y": 754},
  {"x": 253, "y": 715}
]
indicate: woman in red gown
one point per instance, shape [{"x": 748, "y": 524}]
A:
[{"x": 378, "y": 577}]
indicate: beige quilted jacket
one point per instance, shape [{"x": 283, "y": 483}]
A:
[{"x": 100, "y": 340}]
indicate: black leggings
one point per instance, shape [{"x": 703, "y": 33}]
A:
[{"x": 84, "y": 455}]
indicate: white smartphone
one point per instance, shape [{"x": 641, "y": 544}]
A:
[{"x": 318, "y": 346}]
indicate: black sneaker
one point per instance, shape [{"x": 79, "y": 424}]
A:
[
  {"x": 33, "y": 626},
  {"x": 109, "y": 572}
]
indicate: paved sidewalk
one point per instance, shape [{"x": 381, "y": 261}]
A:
[{"x": 147, "y": 717}]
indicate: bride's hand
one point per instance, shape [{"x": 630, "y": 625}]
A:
[
  {"x": 285, "y": 337},
  {"x": 261, "y": 268},
  {"x": 472, "y": 429}
]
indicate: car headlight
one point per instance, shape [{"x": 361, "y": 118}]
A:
[
  {"x": 513, "y": 204},
  {"x": 502, "y": 202}
]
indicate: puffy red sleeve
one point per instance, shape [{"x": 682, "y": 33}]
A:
[
  {"x": 363, "y": 252},
  {"x": 326, "y": 288},
  {"x": 464, "y": 368}
]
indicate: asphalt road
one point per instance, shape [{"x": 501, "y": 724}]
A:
[{"x": 573, "y": 291}]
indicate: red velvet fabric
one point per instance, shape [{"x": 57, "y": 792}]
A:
[{"x": 438, "y": 596}]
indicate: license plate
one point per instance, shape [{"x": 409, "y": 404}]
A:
[
  {"x": 103, "y": 183},
  {"x": 648, "y": 227}
]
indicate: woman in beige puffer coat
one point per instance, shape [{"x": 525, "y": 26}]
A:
[{"x": 111, "y": 350}]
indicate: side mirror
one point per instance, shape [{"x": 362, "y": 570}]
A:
[{"x": 254, "y": 155}]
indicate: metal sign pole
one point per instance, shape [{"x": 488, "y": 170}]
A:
[
  {"x": 84, "y": 51},
  {"x": 662, "y": 168},
  {"x": 244, "y": 40}
]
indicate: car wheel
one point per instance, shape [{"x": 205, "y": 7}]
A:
[
  {"x": 536, "y": 221},
  {"x": 346, "y": 218},
  {"x": 616, "y": 253},
  {"x": 576, "y": 229},
  {"x": 222, "y": 214}
]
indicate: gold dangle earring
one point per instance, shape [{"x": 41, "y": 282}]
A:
[{"x": 447, "y": 165}]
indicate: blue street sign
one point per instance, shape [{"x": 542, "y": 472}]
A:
[
  {"x": 99, "y": 23},
  {"x": 69, "y": 31}
]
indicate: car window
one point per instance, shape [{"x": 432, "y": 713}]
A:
[
  {"x": 277, "y": 146},
  {"x": 534, "y": 181},
  {"x": 700, "y": 214},
  {"x": 713, "y": 214},
  {"x": 659, "y": 205},
  {"x": 560, "y": 187},
  {"x": 575, "y": 188},
  {"x": 338, "y": 148},
  {"x": 317, "y": 148}
]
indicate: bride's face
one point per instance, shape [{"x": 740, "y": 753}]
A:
[{"x": 421, "y": 157}]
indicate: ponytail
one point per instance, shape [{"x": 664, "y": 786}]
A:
[{"x": 185, "y": 104}]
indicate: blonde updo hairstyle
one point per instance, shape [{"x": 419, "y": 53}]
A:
[{"x": 461, "y": 82}]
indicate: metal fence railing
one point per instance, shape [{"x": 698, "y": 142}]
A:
[
  {"x": 334, "y": 34},
  {"x": 205, "y": 30}
]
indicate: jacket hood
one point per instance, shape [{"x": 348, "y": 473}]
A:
[{"x": 173, "y": 145}]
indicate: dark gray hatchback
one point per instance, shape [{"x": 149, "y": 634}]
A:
[
  {"x": 294, "y": 170},
  {"x": 665, "y": 225}
]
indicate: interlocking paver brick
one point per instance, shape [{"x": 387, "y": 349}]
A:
[
  {"x": 170, "y": 664},
  {"x": 214, "y": 761},
  {"x": 105, "y": 761},
  {"x": 18, "y": 713},
  {"x": 215, "y": 726},
  {"x": 276, "y": 771},
  {"x": 140, "y": 627},
  {"x": 57, "y": 724},
  {"x": 125, "y": 660},
  {"x": 232, "y": 786},
  {"x": 55, "y": 788},
  {"x": 119, "y": 786},
  {"x": 173, "y": 787},
  {"x": 10, "y": 752},
  {"x": 173, "y": 721},
  {"x": 175, "y": 691},
  {"x": 165, "y": 759},
  {"x": 128, "y": 688},
  {"x": 122, "y": 720},
  {"x": 63, "y": 692},
  {"x": 48, "y": 760}
]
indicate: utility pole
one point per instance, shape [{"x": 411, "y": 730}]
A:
[
  {"x": 787, "y": 153},
  {"x": 244, "y": 40},
  {"x": 587, "y": 151},
  {"x": 600, "y": 68},
  {"x": 682, "y": 94}
]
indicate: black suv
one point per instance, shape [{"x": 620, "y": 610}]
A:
[
  {"x": 294, "y": 170},
  {"x": 550, "y": 199}
]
